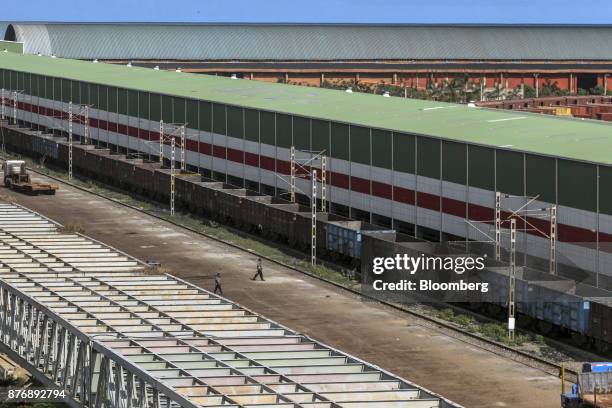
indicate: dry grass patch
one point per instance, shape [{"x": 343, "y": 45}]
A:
[
  {"x": 71, "y": 229},
  {"x": 7, "y": 198},
  {"x": 157, "y": 270}
]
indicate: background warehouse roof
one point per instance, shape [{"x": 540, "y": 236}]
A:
[
  {"x": 589, "y": 141},
  {"x": 313, "y": 42}
]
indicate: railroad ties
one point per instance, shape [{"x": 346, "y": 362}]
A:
[{"x": 112, "y": 332}]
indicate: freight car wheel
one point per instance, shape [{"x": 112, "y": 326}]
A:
[
  {"x": 478, "y": 306},
  {"x": 525, "y": 321},
  {"x": 544, "y": 327},
  {"x": 494, "y": 310},
  {"x": 578, "y": 339},
  {"x": 602, "y": 346}
]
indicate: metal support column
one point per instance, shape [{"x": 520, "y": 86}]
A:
[
  {"x": 512, "y": 280},
  {"x": 70, "y": 140},
  {"x": 553, "y": 240},
  {"x": 2, "y": 115},
  {"x": 14, "y": 107},
  {"x": 313, "y": 253},
  {"x": 86, "y": 124},
  {"x": 497, "y": 226},
  {"x": 292, "y": 188},
  {"x": 161, "y": 142},
  {"x": 183, "y": 148},
  {"x": 324, "y": 184},
  {"x": 172, "y": 158}
]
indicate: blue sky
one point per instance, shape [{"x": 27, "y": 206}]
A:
[{"x": 326, "y": 11}]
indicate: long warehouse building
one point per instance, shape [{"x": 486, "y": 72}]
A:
[
  {"x": 421, "y": 167},
  {"x": 497, "y": 57}
]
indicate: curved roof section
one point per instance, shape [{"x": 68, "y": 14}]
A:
[{"x": 322, "y": 42}]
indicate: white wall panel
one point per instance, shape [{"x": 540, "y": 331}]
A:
[
  {"x": 428, "y": 185},
  {"x": 576, "y": 217},
  {"x": 235, "y": 169}
]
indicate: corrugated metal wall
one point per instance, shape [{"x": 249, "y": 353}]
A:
[
  {"x": 394, "y": 151},
  {"x": 390, "y": 177}
]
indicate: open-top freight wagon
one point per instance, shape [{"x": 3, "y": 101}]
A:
[{"x": 547, "y": 303}]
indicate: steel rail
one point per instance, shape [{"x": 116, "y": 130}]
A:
[{"x": 552, "y": 368}]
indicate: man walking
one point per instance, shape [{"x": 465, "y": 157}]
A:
[
  {"x": 259, "y": 271},
  {"x": 218, "y": 284}
]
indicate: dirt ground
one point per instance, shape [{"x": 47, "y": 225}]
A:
[{"x": 389, "y": 339}]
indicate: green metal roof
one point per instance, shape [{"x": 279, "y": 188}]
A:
[{"x": 589, "y": 141}]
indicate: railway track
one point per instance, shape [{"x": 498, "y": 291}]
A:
[{"x": 546, "y": 366}]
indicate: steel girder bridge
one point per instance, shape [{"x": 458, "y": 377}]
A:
[{"x": 111, "y": 332}]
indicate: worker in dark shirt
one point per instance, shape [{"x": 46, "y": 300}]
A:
[
  {"x": 259, "y": 271},
  {"x": 218, "y": 284}
]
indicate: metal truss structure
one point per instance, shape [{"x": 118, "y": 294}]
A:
[
  {"x": 75, "y": 114},
  {"x": 305, "y": 168},
  {"x": 113, "y": 333},
  {"x": 167, "y": 134},
  {"x": 510, "y": 217}
]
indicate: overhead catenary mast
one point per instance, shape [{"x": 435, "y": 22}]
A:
[
  {"x": 512, "y": 280},
  {"x": 172, "y": 159},
  {"x": 2, "y": 114},
  {"x": 313, "y": 206},
  {"x": 70, "y": 140}
]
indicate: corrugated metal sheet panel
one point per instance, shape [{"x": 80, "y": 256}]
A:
[
  {"x": 316, "y": 42},
  {"x": 587, "y": 141}
]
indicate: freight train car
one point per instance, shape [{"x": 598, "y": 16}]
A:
[
  {"x": 412, "y": 166},
  {"x": 550, "y": 304},
  {"x": 545, "y": 302},
  {"x": 418, "y": 167}
]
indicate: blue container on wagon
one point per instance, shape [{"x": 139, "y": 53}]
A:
[{"x": 344, "y": 237}]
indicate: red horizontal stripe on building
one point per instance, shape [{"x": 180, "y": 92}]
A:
[
  {"x": 382, "y": 190},
  {"x": 360, "y": 185},
  {"x": 251, "y": 159},
  {"x": 283, "y": 167},
  {"x": 340, "y": 180},
  {"x": 566, "y": 233},
  {"x": 235, "y": 155},
  {"x": 267, "y": 163},
  {"x": 191, "y": 145},
  {"x": 133, "y": 131},
  {"x": 429, "y": 201},
  {"x": 205, "y": 148},
  {"x": 453, "y": 207},
  {"x": 403, "y": 195},
  {"x": 219, "y": 151},
  {"x": 479, "y": 213}
]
